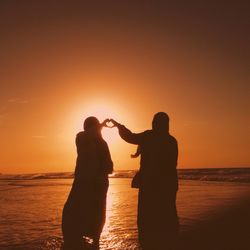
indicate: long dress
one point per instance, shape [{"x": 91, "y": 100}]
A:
[
  {"x": 85, "y": 209},
  {"x": 157, "y": 215}
]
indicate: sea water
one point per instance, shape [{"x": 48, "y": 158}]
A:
[{"x": 31, "y": 210}]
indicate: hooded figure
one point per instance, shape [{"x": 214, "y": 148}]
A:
[
  {"x": 85, "y": 209},
  {"x": 158, "y": 183}
]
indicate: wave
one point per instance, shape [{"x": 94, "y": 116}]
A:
[
  {"x": 38, "y": 176},
  {"x": 205, "y": 174},
  {"x": 216, "y": 174}
]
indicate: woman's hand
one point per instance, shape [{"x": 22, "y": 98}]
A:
[
  {"x": 115, "y": 123},
  {"x": 110, "y": 123},
  {"x": 105, "y": 123}
]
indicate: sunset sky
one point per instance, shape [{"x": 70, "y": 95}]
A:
[{"x": 60, "y": 62}]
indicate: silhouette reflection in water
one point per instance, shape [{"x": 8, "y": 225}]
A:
[
  {"x": 85, "y": 209},
  {"x": 157, "y": 219}
]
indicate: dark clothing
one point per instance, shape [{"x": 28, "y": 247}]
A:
[
  {"x": 85, "y": 209},
  {"x": 159, "y": 153},
  {"x": 157, "y": 216}
]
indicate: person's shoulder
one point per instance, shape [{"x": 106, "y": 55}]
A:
[
  {"x": 148, "y": 132},
  {"x": 147, "y": 135},
  {"x": 80, "y": 135},
  {"x": 172, "y": 139}
]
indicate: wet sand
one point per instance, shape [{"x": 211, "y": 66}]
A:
[{"x": 227, "y": 230}]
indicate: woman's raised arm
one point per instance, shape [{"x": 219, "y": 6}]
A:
[{"x": 127, "y": 135}]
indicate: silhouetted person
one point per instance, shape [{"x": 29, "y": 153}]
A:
[
  {"x": 157, "y": 216},
  {"x": 85, "y": 209}
]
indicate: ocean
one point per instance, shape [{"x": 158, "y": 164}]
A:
[{"x": 31, "y": 205}]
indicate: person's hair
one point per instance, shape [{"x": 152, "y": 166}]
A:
[
  {"x": 160, "y": 122},
  {"x": 91, "y": 123}
]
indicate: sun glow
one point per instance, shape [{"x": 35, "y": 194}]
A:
[
  {"x": 101, "y": 112},
  {"x": 110, "y": 135}
]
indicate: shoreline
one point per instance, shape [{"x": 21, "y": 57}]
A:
[{"x": 180, "y": 179}]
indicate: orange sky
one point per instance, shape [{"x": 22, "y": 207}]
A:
[{"x": 60, "y": 63}]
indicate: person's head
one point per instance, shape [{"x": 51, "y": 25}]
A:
[
  {"x": 92, "y": 124},
  {"x": 160, "y": 122}
]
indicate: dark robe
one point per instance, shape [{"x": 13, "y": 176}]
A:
[
  {"x": 157, "y": 216},
  {"x": 85, "y": 209}
]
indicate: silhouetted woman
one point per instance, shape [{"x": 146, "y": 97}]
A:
[
  {"x": 85, "y": 209},
  {"x": 158, "y": 183}
]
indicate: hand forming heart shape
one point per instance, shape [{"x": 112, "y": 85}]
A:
[{"x": 108, "y": 123}]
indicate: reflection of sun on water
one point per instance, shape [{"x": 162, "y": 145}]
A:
[{"x": 109, "y": 210}]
